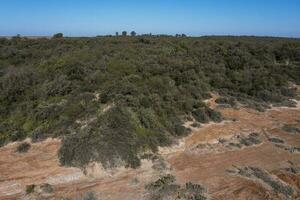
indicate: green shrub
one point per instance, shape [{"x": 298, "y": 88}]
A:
[
  {"x": 58, "y": 35},
  {"x": 166, "y": 188},
  {"x": 201, "y": 115},
  {"x": 89, "y": 196},
  {"x": 48, "y": 86},
  {"x": 291, "y": 129},
  {"x": 194, "y": 192},
  {"x": 230, "y": 101},
  {"x": 119, "y": 137},
  {"x": 276, "y": 140},
  {"x": 23, "y": 147},
  {"x": 30, "y": 189},
  {"x": 206, "y": 114},
  {"x": 196, "y": 125},
  {"x": 214, "y": 115},
  {"x": 161, "y": 183},
  {"x": 251, "y": 139},
  {"x": 277, "y": 185},
  {"x": 77, "y": 149},
  {"x": 17, "y": 135},
  {"x": 60, "y": 86}
]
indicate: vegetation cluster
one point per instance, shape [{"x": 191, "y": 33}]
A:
[{"x": 113, "y": 98}]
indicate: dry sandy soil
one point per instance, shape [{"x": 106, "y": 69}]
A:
[{"x": 200, "y": 158}]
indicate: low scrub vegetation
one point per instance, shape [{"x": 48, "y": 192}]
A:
[
  {"x": 241, "y": 141},
  {"x": 47, "y": 188},
  {"x": 59, "y": 87},
  {"x": 117, "y": 137},
  {"x": 291, "y": 129},
  {"x": 87, "y": 196},
  {"x": 23, "y": 147},
  {"x": 251, "y": 139},
  {"x": 166, "y": 188},
  {"x": 293, "y": 168},
  {"x": 276, "y": 140},
  {"x": 227, "y": 101},
  {"x": 286, "y": 147},
  {"x": 276, "y": 184},
  {"x": 233, "y": 143},
  {"x": 205, "y": 114},
  {"x": 30, "y": 188}
]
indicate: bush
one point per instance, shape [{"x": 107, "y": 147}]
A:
[
  {"x": 165, "y": 188},
  {"x": 23, "y": 147},
  {"x": 58, "y": 35},
  {"x": 161, "y": 183},
  {"x": 252, "y": 139},
  {"x": 286, "y": 103},
  {"x": 17, "y": 135},
  {"x": 60, "y": 86},
  {"x": 194, "y": 192},
  {"x": 201, "y": 115},
  {"x": 206, "y": 114},
  {"x": 30, "y": 189},
  {"x": 87, "y": 196},
  {"x": 196, "y": 125},
  {"x": 47, "y": 188},
  {"x": 119, "y": 138},
  {"x": 276, "y": 140},
  {"x": 277, "y": 185},
  {"x": 90, "y": 196},
  {"x": 77, "y": 149},
  {"x": 214, "y": 115},
  {"x": 15, "y": 83},
  {"x": 230, "y": 101},
  {"x": 291, "y": 129}
]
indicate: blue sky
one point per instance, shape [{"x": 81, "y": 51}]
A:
[{"x": 193, "y": 17}]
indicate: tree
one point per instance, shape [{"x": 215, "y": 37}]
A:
[
  {"x": 124, "y": 33},
  {"x": 58, "y": 35},
  {"x": 18, "y": 36},
  {"x": 180, "y": 35},
  {"x": 133, "y": 33},
  {"x": 117, "y": 34}
]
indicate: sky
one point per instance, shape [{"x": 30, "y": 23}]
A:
[{"x": 192, "y": 17}]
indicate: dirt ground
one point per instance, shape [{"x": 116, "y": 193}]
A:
[{"x": 200, "y": 158}]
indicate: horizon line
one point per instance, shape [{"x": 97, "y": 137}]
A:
[{"x": 149, "y": 35}]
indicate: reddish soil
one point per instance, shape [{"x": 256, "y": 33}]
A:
[
  {"x": 40, "y": 164},
  {"x": 210, "y": 169}
]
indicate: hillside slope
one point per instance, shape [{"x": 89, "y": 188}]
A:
[
  {"x": 204, "y": 158},
  {"x": 111, "y": 99}
]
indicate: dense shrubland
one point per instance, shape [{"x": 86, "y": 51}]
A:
[{"x": 113, "y": 98}]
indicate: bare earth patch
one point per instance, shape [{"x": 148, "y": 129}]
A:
[{"x": 203, "y": 158}]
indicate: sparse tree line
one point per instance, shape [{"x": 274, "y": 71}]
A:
[{"x": 117, "y": 34}]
